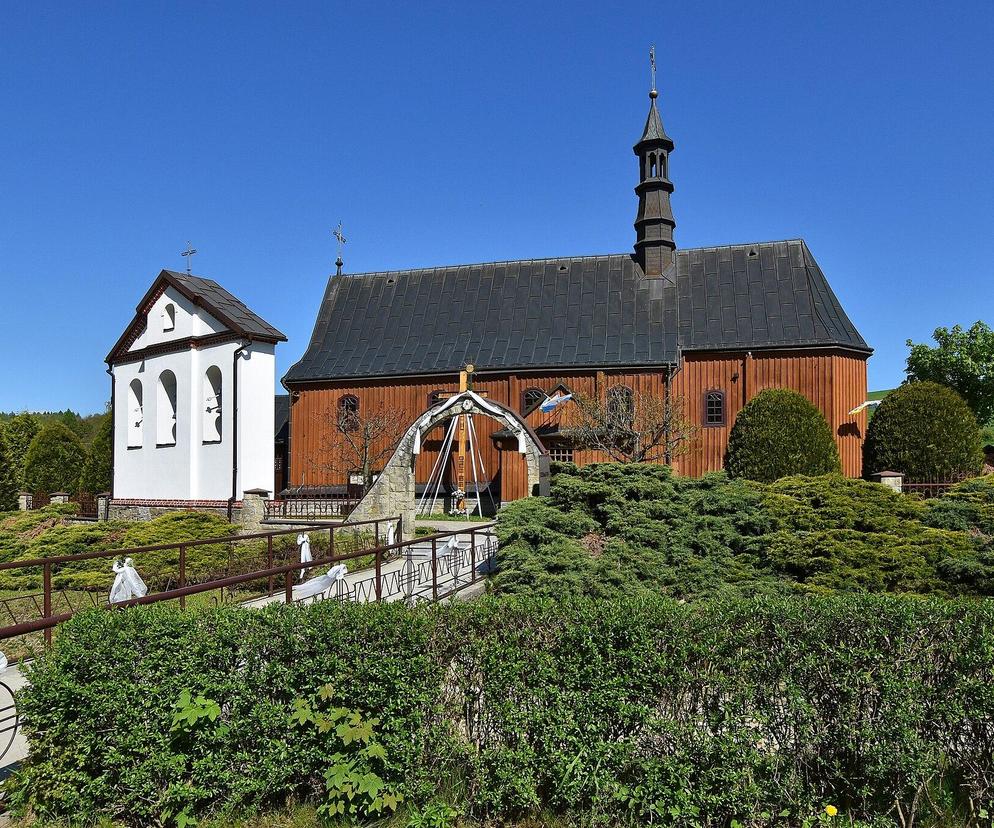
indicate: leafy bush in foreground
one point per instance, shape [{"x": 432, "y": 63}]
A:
[
  {"x": 640, "y": 710},
  {"x": 612, "y": 529},
  {"x": 779, "y": 433},
  {"x": 924, "y": 430}
]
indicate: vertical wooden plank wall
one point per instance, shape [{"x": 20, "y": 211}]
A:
[{"x": 834, "y": 382}]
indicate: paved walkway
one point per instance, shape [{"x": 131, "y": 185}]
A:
[{"x": 409, "y": 576}]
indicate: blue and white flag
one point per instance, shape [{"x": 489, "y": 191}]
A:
[{"x": 552, "y": 402}]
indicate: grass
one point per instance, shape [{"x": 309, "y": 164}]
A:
[
  {"x": 441, "y": 516},
  {"x": 878, "y": 395}
]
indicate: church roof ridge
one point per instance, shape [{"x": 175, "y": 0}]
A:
[{"x": 544, "y": 259}]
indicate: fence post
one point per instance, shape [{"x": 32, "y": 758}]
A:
[
  {"x": 472, "y": 555},
  {"x": 434, "y": 569},
  {"x": 890, "y": 479},
  {"x": 400, "y": 529},
  {"x": 182, "y": 575},
  {"x": 47, "y": 598},
  {"x": 376, "y": 533},
  {"x": 288, "y": 587},
  {"x": 24, "y": 501},
  {"x": 331, "y": 543},
  {"x": 379, "y": 575},
  {"x": 269, "y": 562}
]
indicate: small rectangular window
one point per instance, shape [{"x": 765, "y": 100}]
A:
[
  {"x": 714, "y": 408},
  {"x": 561, "y": 454}
]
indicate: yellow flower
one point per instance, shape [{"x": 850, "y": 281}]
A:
[{"x": 831, "y": 810}]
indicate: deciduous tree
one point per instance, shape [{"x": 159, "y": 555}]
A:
[
  {"x": 631, "y": 426},
  {"x": 361, "y": 442},
  {"x": 962, "y": 360}
]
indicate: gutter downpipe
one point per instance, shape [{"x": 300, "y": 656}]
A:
[
  {"x": 234, "y": 427},
  {"x": 113, "y": 432}
]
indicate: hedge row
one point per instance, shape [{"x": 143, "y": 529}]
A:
[{"x": 641, "y": 710}]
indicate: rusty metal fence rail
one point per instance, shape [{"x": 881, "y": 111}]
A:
[
  {"x": 310, "y": 508},
  {"x": 427, "y": 568}
]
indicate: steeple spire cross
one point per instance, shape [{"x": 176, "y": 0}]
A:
[
  {"x": 342, "y": 241},
  {"x": 188, "y": 254},
  {"x": 652, "y": 70}
]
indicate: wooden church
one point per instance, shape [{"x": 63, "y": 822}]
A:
[{"x": 710, "y": 326}]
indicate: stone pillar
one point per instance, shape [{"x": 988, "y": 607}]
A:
[
  {"x": 253, "y": 510},
  {"x": 24, "y": 501},
  {"x": 59, "y": 497},
  {"x": 890, "y": 479},
  {"x": 103, "y": 506}
]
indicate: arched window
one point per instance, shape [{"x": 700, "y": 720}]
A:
[
  {"x": 531, "y": 398},
  {"x": 652, "y": 166},
  {"x": 621, "y": 406},
  {"x": 212, "y": 405},
  {"x": 135, "y": 414},
  {"x": 348, "y": 413},
  {"x": 662, "y": 165},
  {"x": 165, "y": 410},
  {"x": 169, "y": 317},
  {"x": 714, "y": 408}
]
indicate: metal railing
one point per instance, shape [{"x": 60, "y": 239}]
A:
[
  {"x": 38, "y": 500},
  {"x": 310, "y": 507},
  {"x": 932, "y": 487},
  {"x": 427, "y": 568},
  {"x": 86, "y": 505},
  {"x": 178, "y": 584}
]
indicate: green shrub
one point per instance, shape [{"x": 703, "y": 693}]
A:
[
  {"x": 635, "y": 711},
  {"x": 99, "y": 467},
  {"x": 53, "y": 460},
  {"x": 779, "y": 433},
  {"x": 46, "y": 533},
  {"x": 614, "y": 529},
  {"x": 924, "y": 430}
]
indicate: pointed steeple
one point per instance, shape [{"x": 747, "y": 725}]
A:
[{"x": 654, "y": 245}]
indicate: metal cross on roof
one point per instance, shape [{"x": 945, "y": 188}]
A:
[
  {"x": 652, "y": 65},
  {"x": 337, "y": 233},
  {"x": 189, "y": 253}
]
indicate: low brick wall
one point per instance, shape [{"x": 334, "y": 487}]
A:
[{"x": 142, "y": 510}]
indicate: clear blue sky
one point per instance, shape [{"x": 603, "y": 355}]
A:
[{"x": 469, "y": 132}]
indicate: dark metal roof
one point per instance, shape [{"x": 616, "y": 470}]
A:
[
  {"x": 654, "y": 126},
  {"x": 227, "y": 308},
  {"x": 282, "y": 419},
  {"x": 207, "y": 294},
  {"x": 588, "y": 311}
]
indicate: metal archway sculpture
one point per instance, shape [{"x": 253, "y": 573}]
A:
[{"x": 393, "y": 492}]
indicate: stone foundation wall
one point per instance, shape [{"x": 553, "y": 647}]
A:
[{"x": 142, "y": 510}]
